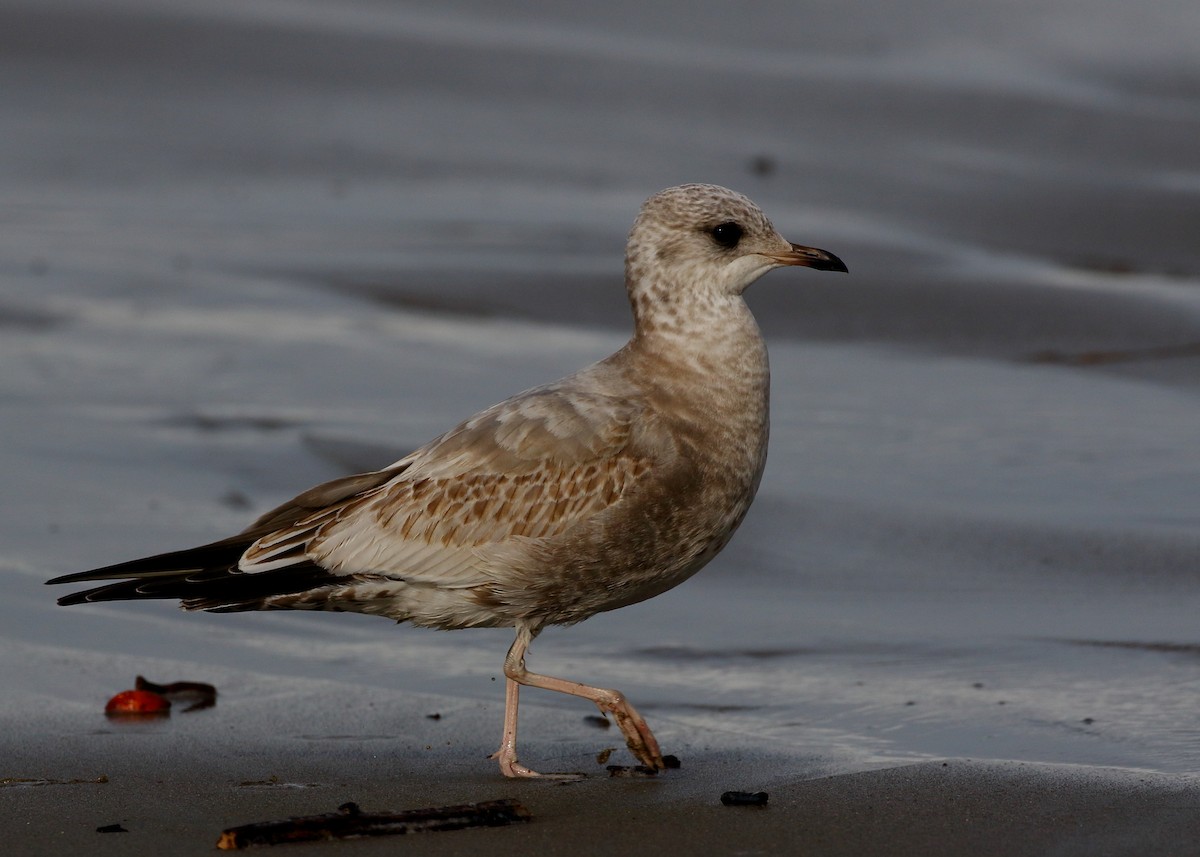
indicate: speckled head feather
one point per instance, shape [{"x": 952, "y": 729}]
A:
[{"x": 697, "y": 242}]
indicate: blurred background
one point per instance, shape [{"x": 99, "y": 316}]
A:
[{"x": 246, "y": 245}]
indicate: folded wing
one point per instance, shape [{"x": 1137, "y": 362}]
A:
[{"x": 446, "y": 516}]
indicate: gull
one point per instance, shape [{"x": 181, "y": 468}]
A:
[{"x": 594, "y": 492}]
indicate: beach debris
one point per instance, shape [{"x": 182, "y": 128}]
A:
[
  {"x": 111, "y": 828},
  {"x": 597, "y": 721},
  {"x": 200, "y": 695},
  {"x": 744, "y": 798},
  {"x": 24, "y": 782},
  {"x": 274, "y": 782},
  {"x": 437, "y": 715},
  {"x": 154, "y": 700},
  {"x": 350, "y": 822},
  {"x": 631, "y": 771},
  {"x": 138, "y": 703},
  {"x": 603, "y": 756}
]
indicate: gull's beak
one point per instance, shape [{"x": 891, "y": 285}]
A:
[{"x": 809, "y": 257}]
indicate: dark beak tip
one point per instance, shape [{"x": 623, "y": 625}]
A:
[
  {"x": 815, "y": 258},
  {"x": 827, "y": 261},
  {"x": 836, "y": 264}
]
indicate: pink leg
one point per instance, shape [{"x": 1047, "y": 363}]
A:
[
  {"x": 507, "y": 754},
  {"x": 638, "y": 737}
]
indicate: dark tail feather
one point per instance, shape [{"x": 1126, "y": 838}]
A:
[
  {"x": 218, "y": 555},
  {"x": 207, "y": 577},
  {"x": 204, "y": 578}
]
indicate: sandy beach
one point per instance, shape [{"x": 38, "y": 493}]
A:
[
  {"x": 954, "y": 807},
  {"x": 252, "y": 245},
  {"x": 276, "y": 749}
]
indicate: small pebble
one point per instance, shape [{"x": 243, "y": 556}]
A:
[{"x": 744, "y": 798}]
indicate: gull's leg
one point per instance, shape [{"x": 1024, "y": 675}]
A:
[
  {"x": 638, "y": 737},
  {"x": 507, "y": 754}
]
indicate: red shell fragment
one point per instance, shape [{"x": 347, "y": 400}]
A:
[{"x": 137, "y": 702}]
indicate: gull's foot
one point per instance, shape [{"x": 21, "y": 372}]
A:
[
  {"x": 638, "y": 737},
  {"x": 510, "y": 767}
]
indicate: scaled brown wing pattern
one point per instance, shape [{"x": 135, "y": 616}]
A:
[{"x": 529, "y": 468}]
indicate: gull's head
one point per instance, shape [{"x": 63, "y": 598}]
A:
[{"x": 708, "y": 240}]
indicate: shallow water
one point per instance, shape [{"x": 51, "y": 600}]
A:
[{"x": 256, "y": 245}]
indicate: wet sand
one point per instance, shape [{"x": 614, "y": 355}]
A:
[
  {"x": 175, "y": 785},
  {"x": 955, "y": 807}
]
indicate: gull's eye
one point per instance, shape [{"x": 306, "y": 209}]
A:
[{"x": 726, "y": 234}]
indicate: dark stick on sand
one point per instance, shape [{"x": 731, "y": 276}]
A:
[
  {"x": 202, "y": 695},
  {"x": 350, "y": 822}
]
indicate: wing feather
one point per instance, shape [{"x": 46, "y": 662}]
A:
[{"x": 530, "y": 469}]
